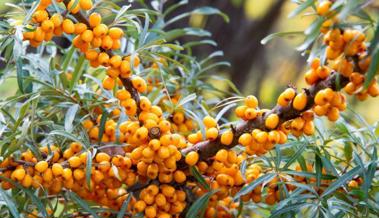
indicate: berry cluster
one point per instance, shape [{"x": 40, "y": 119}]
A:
[{"x": 160, "y": 148}]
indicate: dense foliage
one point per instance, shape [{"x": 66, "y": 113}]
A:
[{"x": 125, "y": 122}]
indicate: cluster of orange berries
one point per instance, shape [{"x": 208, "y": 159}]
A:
[
  {"x": 180, "y": 123},
  {"x": 68, "y": 170},
  {"x": 211, "y": 131},
  {"x": 346, "y": 52},
  {"x": 222, "y": 174},
  {"x": 162, "y": 201},
  {"x": 48, "y": 27}
]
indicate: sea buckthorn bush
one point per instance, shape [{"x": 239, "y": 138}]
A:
[{"x": 118, "y": 123}]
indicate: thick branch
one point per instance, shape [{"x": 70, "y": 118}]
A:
[
  {"x": 133, "y": 92},
  {"x": 207, "y": 149}
]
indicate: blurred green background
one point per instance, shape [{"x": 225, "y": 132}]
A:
[{"x": 262, "y": 70}]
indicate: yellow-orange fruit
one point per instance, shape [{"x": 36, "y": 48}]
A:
[
  {"x": 94, "y": 20},
  {"x": 192, "y": 158}
]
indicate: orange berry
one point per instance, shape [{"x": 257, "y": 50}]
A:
[
  {"x": 40, "y": 15},
  {"x": 286, "y": 96},
  {"x": 139, "y": 84},
  {"x": 74, "y": 162},
  {"x": 68, "y": 26},
  {"x": 179, "y": 176},
  {"x": 245, "y": 139},
  {"x": 115, "y": 33},
  {"x": 107, "y": 42},
  {"x": 192, "y": 158},
  {"x": 73, "y": 7},
  {"x": 323, "y": 8},
  {"x": 115, "y": 61},
  {"x": 47, "y": 26},
  {"x": 19, "y": 174},
  {"x": 103, "y": 58},
  {"x": 300, "y": 101},
  {"x": 100, "y": 30},
  {"x": 87, "y": 36},
  {"x": 209, "y": 122},
  {"x": 250, "y": 113},
  {"x": 211, "y": 133},
  {"x": 227, "y": 137},
  {"x": 108, "y": 83},
  {"x": 80, "y": 28},
  {"x": 251, "y": 101},
  {"x": 41, "y": 166},
  {"x": 85, "y": 4},
  {"x": 315, "y": 63},
  {"x": 240, "y": 111},
  {"x": 94, "y": 20},
  {"x": 57, "y": 169},
  {"x": 67, "y": 173},
  {"x": 272, "y": 121},
  {"x": 100, "y": 157}
]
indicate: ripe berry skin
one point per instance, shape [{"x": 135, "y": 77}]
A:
[
  {"x": 286, "y": 97},
  {"x": 272, "y": 121},
  {"x": 300, "y": 101},
  {"x": 57, "y": 169},
  {"x": 68, "y": 26},
  {"x": 245, "y": 139},
  {"x": 85, "y": 4},
  {"x": 227, "y": 137},
  {"x": 87, "y": 36},
  {"x": 74, "y": 162},
  {"x": 323, "y": 8},
  {"x": 94, "y": 20},
  {"x": 115, "y": 33},
  {"x": 192, "y": 158},
  {"x": 209, "y": 122},
  {"x": 41, "y": 166},
  {"x": 212, "y": 133},
  {"x": 19, "y": 174},
  {"x": 251, "y": 101}
]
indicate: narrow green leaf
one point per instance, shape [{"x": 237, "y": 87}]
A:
[
  {"x": 124, "y": 206},
  {"x": 89, "y": 169},
  {"x": 342, "y": 180},
  {"x": 251, "y": 186},
  {"x": 279, "y": 34},
  {"x": 199, "y": 205},
  {"x": 187, "y": 99},
  {"x": 318, "y": 166},
  {"x": 301, "y": 8},
  {"x": 291, "y": 207},
  {"x": 67, "y": 59},
  {"x": 34, "y": 199},
  {"x": 78, "y": 71},
  {"x": 103, "y": 120},
  {"x": 68, "y": 135},
  {"x": 9, "y": 203},
  {"x": 70, "y": 116},
  {"x": 294, "y": 157},
  {"x": 82, "y": 203},
  {"x": 199, "y": 178},
  {"x": 373, "y": 68},
  {"x": 375, "y": 41},
  {"x": 210, "y": 11}
]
